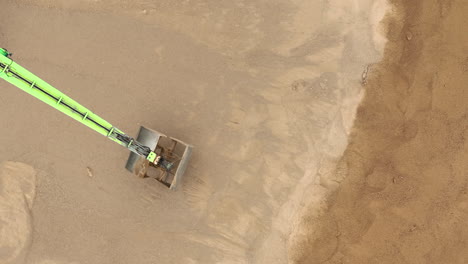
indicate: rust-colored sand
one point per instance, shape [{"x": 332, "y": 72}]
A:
[{"x": 404, "y": 199}]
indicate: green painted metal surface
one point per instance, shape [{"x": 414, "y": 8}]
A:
[
  {"x": 3, "y": 52},
  {"x": 33, "y": 85}
]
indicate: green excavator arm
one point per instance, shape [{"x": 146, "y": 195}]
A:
[{"x": 33, "y": 85}]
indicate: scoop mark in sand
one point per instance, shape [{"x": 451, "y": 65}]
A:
[
  {"x": 364, "y": 75},
  {"x": 90, "y": 172}
]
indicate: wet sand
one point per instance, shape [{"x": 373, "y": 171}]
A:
[
  {"x": 404, "y": 195},
  {"x": 266, "y": 91}
]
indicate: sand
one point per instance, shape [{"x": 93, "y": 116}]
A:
[
  {"x": 266, "y": 91},
  {"x": 17, "y": 193},
  {"x": 403, "y": 196}
]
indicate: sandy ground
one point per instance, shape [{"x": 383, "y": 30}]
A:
[
  {"x": 266, "y": 91},
  {"x": 404, "y": 197}
]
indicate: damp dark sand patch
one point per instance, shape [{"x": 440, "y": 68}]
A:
[{"x": 404, "y": 197}]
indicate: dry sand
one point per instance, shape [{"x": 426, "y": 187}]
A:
[
  {"x": 267, "y": 92},
  {"x": 17, "y": 193}
]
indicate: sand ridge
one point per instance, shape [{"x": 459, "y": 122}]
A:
[{"x": 17, "y": 193}]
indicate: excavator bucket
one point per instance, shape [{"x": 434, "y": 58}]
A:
[{"x": 175, "y": 157}]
